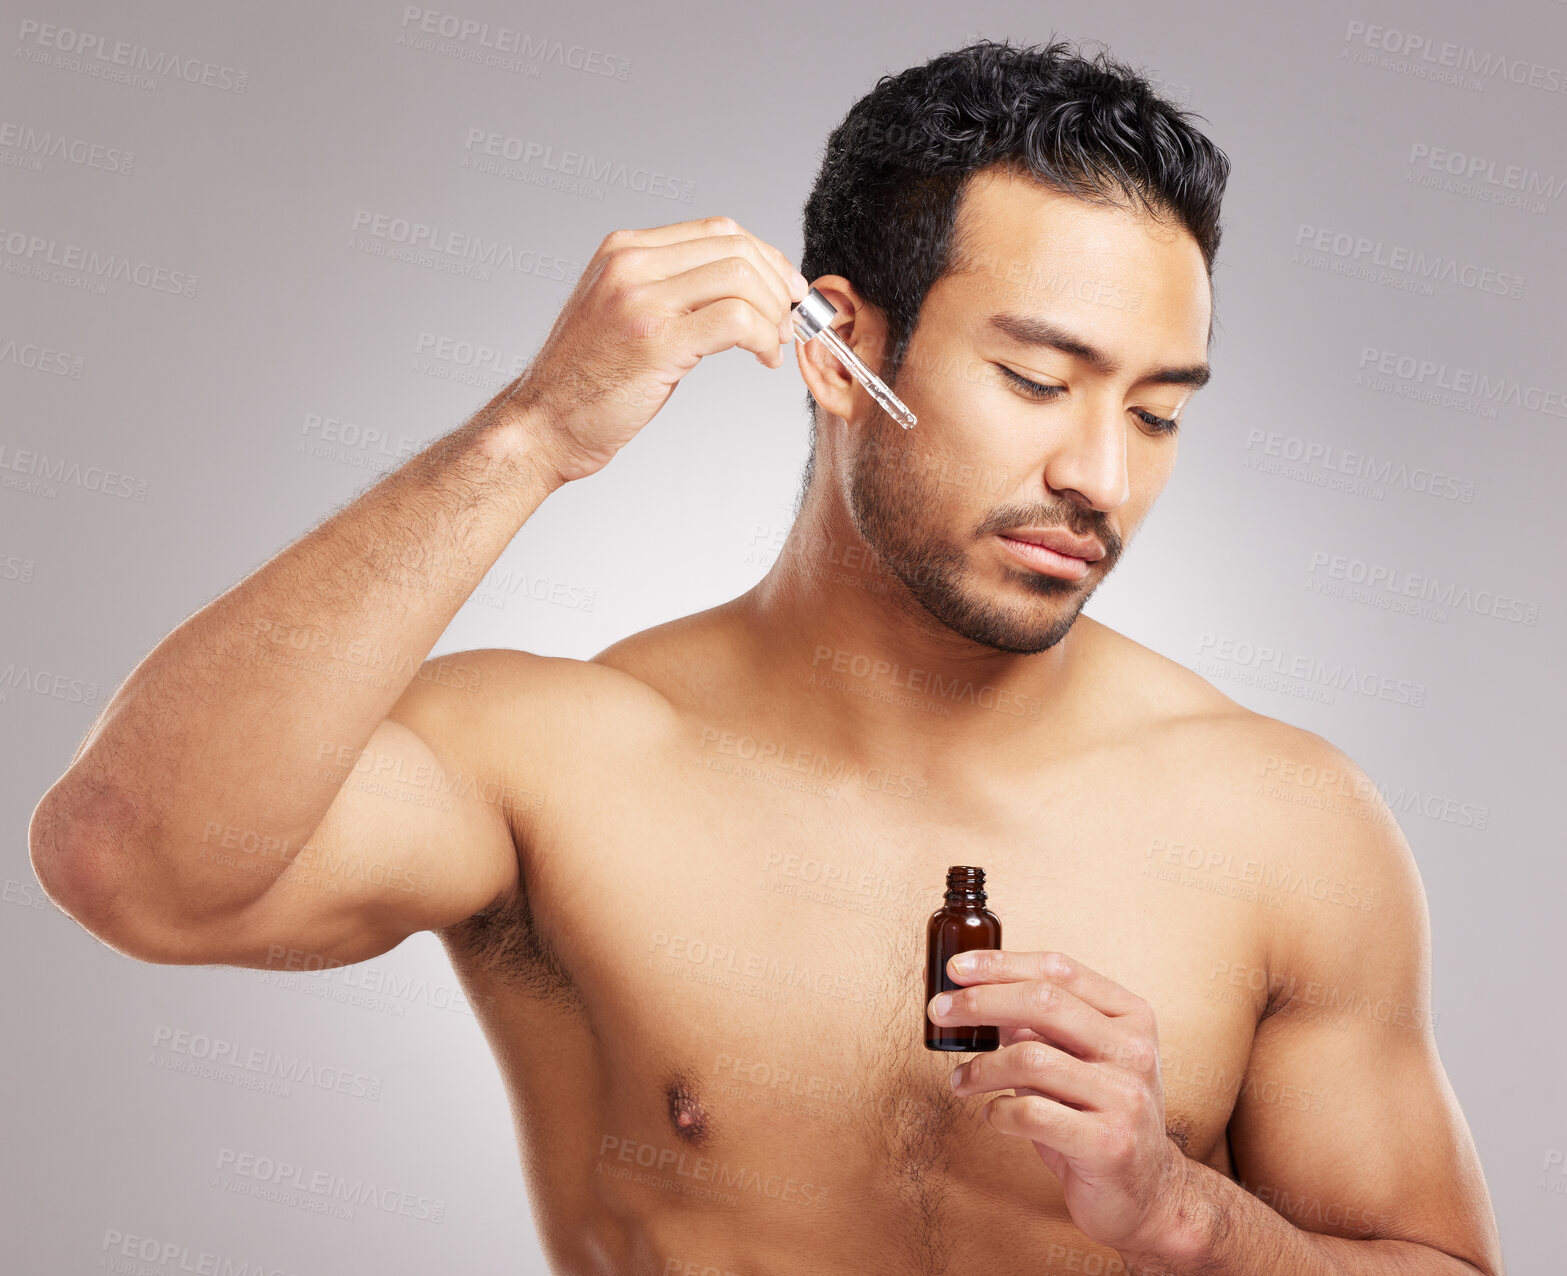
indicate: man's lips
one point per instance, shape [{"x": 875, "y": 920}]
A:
[
  {"x": 1060, "y": 540},
  {"x": 1053, "y": 550}
]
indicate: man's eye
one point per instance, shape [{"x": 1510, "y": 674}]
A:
[
  {"x": 1034, "y": 390},
  {"x": 1158, "y": 424},
  {"x": 1031, "y": 388}
]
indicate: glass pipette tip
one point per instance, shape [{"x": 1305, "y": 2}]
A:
[{"x": 813, "y": 318}]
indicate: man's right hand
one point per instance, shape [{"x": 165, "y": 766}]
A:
[{"x": 648, "y": 306}]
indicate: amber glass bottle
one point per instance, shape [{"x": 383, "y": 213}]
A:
[{"x": 963, "y": 922}]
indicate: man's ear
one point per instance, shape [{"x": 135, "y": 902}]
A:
[{"x": 859, "y": 326}]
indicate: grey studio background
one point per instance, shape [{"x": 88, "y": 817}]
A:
[{"x": 1370, "y": 484}]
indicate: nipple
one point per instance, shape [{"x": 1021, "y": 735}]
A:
[{"x": 686, "y": 1112}]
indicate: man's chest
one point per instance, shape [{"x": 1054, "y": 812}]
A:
[{"x": 750, "y": 956}]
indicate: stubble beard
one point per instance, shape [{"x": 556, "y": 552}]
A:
[{"x": 892, "y": 509}]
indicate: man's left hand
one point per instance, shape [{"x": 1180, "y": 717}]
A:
[{"x": 1082, "y": 1055}]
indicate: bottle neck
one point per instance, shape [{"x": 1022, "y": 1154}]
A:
[{"x": 966, "y": 886}]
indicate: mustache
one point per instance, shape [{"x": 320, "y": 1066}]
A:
[{"x": 1074, "y": 518}]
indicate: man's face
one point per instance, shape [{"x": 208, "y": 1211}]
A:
[{"x": 1107, "y": 310}]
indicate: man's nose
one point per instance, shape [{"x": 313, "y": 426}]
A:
[{"x": 1088, "y": 461}]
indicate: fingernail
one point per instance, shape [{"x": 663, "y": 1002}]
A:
[
  {"x": 963, "y": 963},
  {"x": 942, "y": 1004},
  {"x": 802, "y": 283},
  {"x": 957, "y": 1075}
]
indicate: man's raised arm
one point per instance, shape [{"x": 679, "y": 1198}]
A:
[{"x": 178, "y": 832}]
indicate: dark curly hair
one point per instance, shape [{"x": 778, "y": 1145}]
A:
[{"x": 885, "y": 200}]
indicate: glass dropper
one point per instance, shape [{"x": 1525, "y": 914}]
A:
[{"x": 813, "y": 318}]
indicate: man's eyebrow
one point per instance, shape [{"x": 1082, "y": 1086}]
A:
[{"x": 1032, "y": 331}]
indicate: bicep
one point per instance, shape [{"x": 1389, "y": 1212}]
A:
[
  {"x": 436, "y": 815},
  {"x": 422, "y": 831},
  {"x": 412, "y": 841},
  {"x": 1346, "y": 1123}
]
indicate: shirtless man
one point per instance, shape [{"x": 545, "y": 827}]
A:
[{"x": 686, "y": 881}]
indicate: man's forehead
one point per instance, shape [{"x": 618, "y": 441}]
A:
[
  {"x": 1024, "y": 248},
  {"x": 1016, "y": 231},
  {"x": 1004, "y": 204}
]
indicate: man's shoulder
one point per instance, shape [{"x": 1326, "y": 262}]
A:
[
  {"x": 492, "y": 705},
  {"x": 1278, "y": 813},
  {"x": 486, "y": 679},
  {"x": 1269, "y": 782},
  {"x": 1150, "y": 701},
  {"x": 673, "y": 657},
  {"x": 504, "y": 702},
  {"x": 1179, "y": 706}
]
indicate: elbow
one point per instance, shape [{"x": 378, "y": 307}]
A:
[
  {"x": 69, "y": 855},
  {"x": 82, "y": 853}
]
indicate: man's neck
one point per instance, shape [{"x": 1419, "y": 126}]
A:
[{"x": 830, "y": 619}]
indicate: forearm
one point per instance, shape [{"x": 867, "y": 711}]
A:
[
  {"x": 225, "y": 724},
  {"x": 1218, "y": 1228}
]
